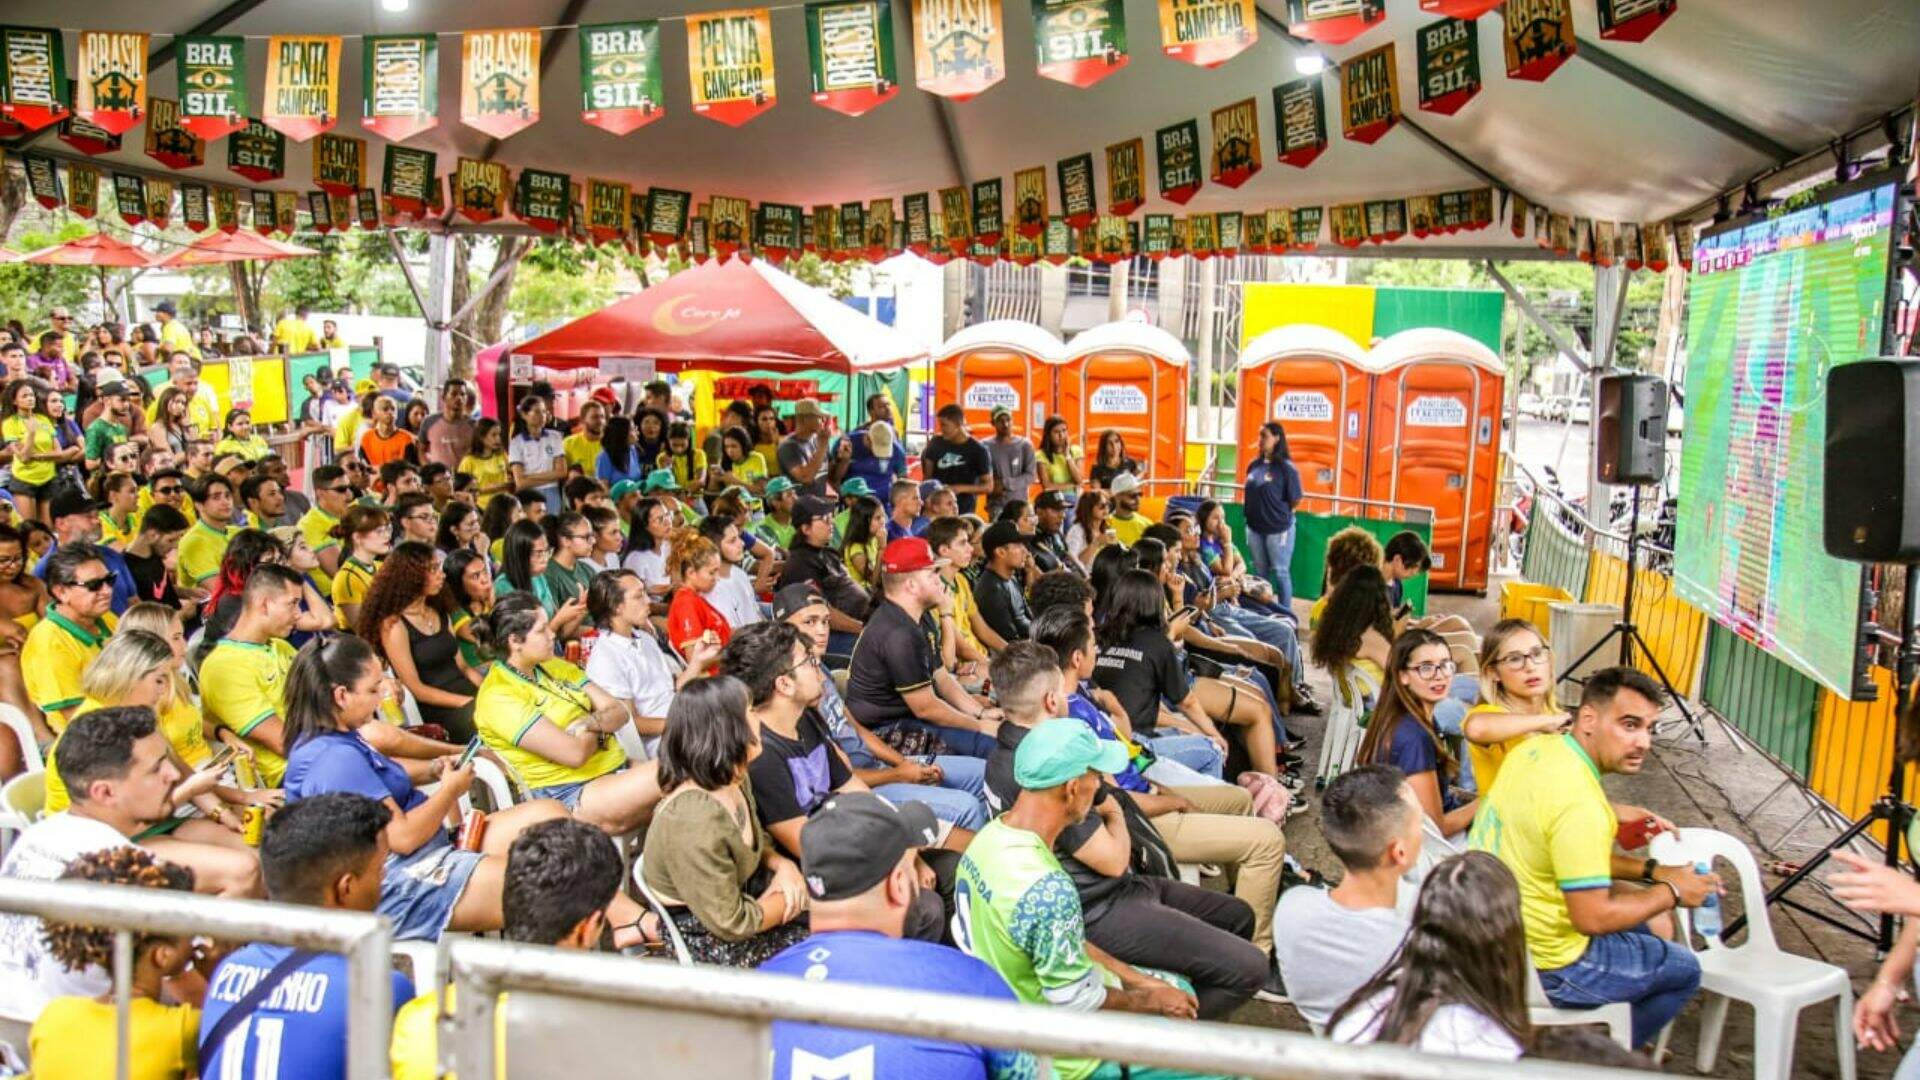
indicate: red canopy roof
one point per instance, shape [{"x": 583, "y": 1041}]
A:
[{"x": 729, "y": 316}]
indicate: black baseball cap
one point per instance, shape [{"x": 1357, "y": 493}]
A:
[
  {"x": 999, "y": 535},
  {"x": 855, "y": 840},
  {"x": 795, "y": 598},
  {"x": 71, "y": 501},
  {"x": 810, "y": 507},
  {"x": 1050, "y": 500}
]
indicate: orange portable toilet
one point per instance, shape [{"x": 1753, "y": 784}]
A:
[
  {"x": 1003, "y": 362},
  {"x": 1437, "y": 398},
  {"x": 1315, "y": 381},
  {"x": 1131, "y": 378}
]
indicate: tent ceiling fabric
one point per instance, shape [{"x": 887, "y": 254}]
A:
[{"x": 1584, "y": 142}]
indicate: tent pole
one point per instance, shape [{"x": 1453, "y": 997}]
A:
[
  {"x": 1609, "y": 298},
  {"x": 439, "y": 299},
  {"x": 1209, "y": 310},
  {"x": 1117, "y": 291},
  {"x": 1554, "y": 334}
]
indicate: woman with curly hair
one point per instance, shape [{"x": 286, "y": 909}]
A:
[
  {"x": 405, "y": 618},
  {"x": 78, "y": 1036},
  {"x": 695, "y": 564}
]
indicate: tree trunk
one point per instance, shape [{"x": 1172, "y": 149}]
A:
[
  {"x": 13, "y": 198},
  {"x": 486, "y": 323},
  {"x": 246, "y": 294}
]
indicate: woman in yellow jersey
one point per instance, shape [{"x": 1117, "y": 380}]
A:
[
  {"x": 1516, "y": 685},
  {"x": 238, "y": 438},
  {"x": 1356, "y": 632},
  {"x": 688, "y": 462},
  {"x": 31, "y": 445},
  {"x": 554, "y": 728},
  {"x": 22, "y": 598},
  {"x": 767, "y": 434},
  {"x": 1062, "y": 462},
  {"x": 487, "y": 463},
  {"x": 363, "y": 532},
  {"x": 866, "y": 536},
  {"x": 740, "y": 464},
  {"x": 119, "y": 496}
]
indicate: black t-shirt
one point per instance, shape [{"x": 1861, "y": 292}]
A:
[
  {"x": 792, "y": 777},
  {"x": 953, "y": 463},
  {"x": 150, "y": 577},
  {"x": 1002, "y": 605},
  {"x": 893, "y": 656},
  {"x": 823, "y": 567},
  {"x": 1140, "y": 673},
  {"x": 1097, "y": 891}
]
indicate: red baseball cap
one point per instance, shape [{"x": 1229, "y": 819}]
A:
[
  {"x": 605, "y": 396},
  {"x": 907, "y": 554}
]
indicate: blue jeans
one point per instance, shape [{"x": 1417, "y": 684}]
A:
[
  {"x": 1450, "y": 715},
  {"x": 958, "y": 798},
  {"x": 1271, "y": 629},
  {"x": 1273, "y": 559},
  {"x": 1655, "y": 976},
  {"x": 964, "y": 741},
  {"x": 1196, "y": 752}
]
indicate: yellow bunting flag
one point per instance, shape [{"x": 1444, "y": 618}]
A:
[
  {"x": 480, "y": 190},
  {"x": 959, "y": 46},
  {"x": 339, "y": 164},
  {"x": 303, "y": 85},
  {"x": 607, "y": 209},
  {"x": 1030, "y": 201},
  {"x": 500, "y": 80},
  {"x": 168, "y": 142},
  {"x": 1539, "y": 37},
  {"x": 1207, "y": 33},
  {"x": 1236, "y": 143},
  {"x": 110, "y": 79},
  {"x": 1370, "y": 94},
  {"x": 730, "y": 65}
]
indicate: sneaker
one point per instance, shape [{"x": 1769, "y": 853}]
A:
[
  {"x": 1275, "y": 990},
  {"x": 1288, "y": 761},
  {"x": 1304, "y": 703}
]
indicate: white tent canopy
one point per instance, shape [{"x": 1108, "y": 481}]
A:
[{"x": 1725, "y": 90}]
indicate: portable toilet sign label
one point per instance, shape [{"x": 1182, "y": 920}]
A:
[
  {"x": 987, "y": 396},
  {"x": 1119, "y": 399},
  {"x": 1434, "y": 411},
  {"x": 1304, "y": 405}
]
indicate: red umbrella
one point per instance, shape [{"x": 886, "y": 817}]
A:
[
  {"x": 98, "y": 249},
  {"x": 220, "y": 247}
]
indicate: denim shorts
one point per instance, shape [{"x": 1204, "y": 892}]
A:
[
  {"x": 567, "y": 795},
  {"x": 419, "y": 890}
]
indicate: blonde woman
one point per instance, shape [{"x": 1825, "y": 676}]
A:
[{"x": 1517, "y": 702}]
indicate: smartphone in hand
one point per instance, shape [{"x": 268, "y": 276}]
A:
[{"x": 474, "y": 746}]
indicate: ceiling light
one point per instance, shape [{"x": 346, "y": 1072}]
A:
[
  {"x": 1307, "y": 63},
  {"x": 393, "y": 7}
]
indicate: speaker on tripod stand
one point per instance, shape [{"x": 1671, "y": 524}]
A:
[{"x": 1630, "y": 428}]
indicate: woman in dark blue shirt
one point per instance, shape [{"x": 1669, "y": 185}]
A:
[
  {"x": 1273, "y": 490},
  {"x": 1402, "y": 734}
]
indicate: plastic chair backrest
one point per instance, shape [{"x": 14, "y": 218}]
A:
[
  {"x": 14, "y": 719},
  {"x": 488, "y": 775},
  {"x": 672, "y": 932},
  {"x": 1696, "y": 845},
  {"x": 26, "y": 795},
  {"x": 409, "y": 708}
]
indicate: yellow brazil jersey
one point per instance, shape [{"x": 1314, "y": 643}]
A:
[
  {"x": 1129, "y": 530},
  {"x": 488, "y": 472},
  {"x": 115, "y": 534},
  {"x": 251, "y": 448},
  {"x": 201, "y": 550},
  {"x": 346, "y": 431},
  {"x": 1488, "y": 757},
  {"x": 56, "y": 651},
  {"x": 146, "y": 503},
  {"x": 415, "y": 1053},
  {"x": 242, "y": 684},
  {"x": 174, "y": 338},
  {"x": 350, "y": 586},
  {"x": 293, "y": 335},
  {"x": 1548, "y": 819},
  {"x": 39, "y": 439},
  {"x": 688, "y": 478},
  {"x": 179, "y": 722},
  {"x": 317, "y": 526},
  {"x": 76, "y": 1036},
  {"x": 203, "y": 410},
  {"x": 582, "y": 452},
  {"x": 963, "y": 609},
  {"x": 508, "y": 705}
]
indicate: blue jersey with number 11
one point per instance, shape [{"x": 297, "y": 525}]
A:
[{"x": 298, "y": 1033}]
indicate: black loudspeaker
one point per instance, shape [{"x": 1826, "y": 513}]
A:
[
  {"x": 1630, "y": 428},
  {"x": 1872, "y": 466}
]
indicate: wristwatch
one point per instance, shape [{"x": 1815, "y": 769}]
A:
[{"x": 1646, "y": 871}]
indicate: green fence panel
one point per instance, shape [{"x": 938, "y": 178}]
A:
[
  {"x": 1773, "y": 704},
  {"x": 1554, "y": 556},
  {"x": 1473, "y": 312},
  {"x": 1311, "y": 533}
]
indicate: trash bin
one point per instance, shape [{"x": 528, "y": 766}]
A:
[
  {"x": 1527, "y": 600},
  {"x": 1575, "y": 627}
]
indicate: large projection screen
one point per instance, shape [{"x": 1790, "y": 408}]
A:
[{"x": 1773, "y": 303}]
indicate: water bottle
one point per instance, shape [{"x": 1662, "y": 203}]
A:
[{"x": 1706, "y": 917}]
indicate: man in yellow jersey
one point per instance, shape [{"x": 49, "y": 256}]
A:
[
  {"x": 243, "y": 681},
  {"x": 206, "y": 543},
  {"x": 331, "y": 497},
  {"x": 203, "y": 403},
  {"x": 75, "y": 628},
  {"x": 1128, "y": 523},
  {"x": 583, "y": 446},
  {"x": 60, "y": 322},
  {"x": 293, "y": 334},
  {"x": 174, "y": 336},
  {"x": 560, "y": 877}
]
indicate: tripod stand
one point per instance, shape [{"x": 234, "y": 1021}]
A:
[
  {"x": 1891, "y": 807},
  {"x": 1629, "y": 633}
]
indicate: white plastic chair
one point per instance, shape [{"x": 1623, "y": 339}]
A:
[
  {"x": 1778, "y": 984},
  {"x": 16, "y": 721},
  {"x": 1341, "y": 739},
  {"x": 653, "y": 902},
  {"x": 489, "y": 776},
  {"x": 409, "y": 708}
]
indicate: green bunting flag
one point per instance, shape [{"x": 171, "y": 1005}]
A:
[
  {"x": 407, "y": 179},
  {"x": 667, "y": 214},
  {"x": 1449, "y": 65},
  {"x": 34, "y": 91},
  {"x": 257, "y": 152},
  {"x": 43, "y": 179},
  {"x": 543, "y": 198},
  {"x": 780, "y": 234},
  {"x": 366, "y": 203},
  {"x": 399, "y": 84},
  {"x": 1300, "y": 115},
  {"x": 916, "y": 212},
  {"x": 850, "y": 53},
  {"x": 1333, "y": 22},
  {"x": 1076, "y": 190},
  {"x": 853, "y": 231},
  {"x": 195, "y": 213},
  {"x": 989, "y": 223},
  {"x": 320, "y": 211},
  {"x": 620, "y": 76},
  {"x": 130, "y": 198},
  {"x": 264, "y": 211},
  {"x": 1057, "y": 246},
  {"x": 1178, "y": 150},
  {"x": 213, "y": 85},
  {"x": 1079, "y": 42},
  {"x": 1633, "y": 20},
  {"x": 1158, "y": 239}
]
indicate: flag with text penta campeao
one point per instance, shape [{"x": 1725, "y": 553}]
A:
[
  {"x": 1207, "y": 33},
  {"x": 500, "y": 80},
  {"x": 730, "y": 67},
  {"x": 608, "y": 215},
  {"x": 110, "y": 80},
  {"x": 226, "y": 209},
  {"x": 303, "y": 85},
  {"x": 1126, "y": 178},
  {"x": 1370, "y": 94},
  {"x": 956, "y": 212},
  {"x": 213, "y": 84},
  {"x": 339, "y": 164},
  {"x": 850, "y": 55},
  {"x": 34, "y": 91},
  {"x": 83, "y": 190},
  {"x": 399, "y": 84}
]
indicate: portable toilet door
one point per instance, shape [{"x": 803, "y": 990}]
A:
[
  {"x": 1316, "y": 383},
  {"x": 1437, "y": 398},
  {"x": 1004, "y": 362},
  {"x": 1131, "y": 378}
]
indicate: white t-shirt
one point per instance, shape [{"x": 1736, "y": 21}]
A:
[
  {"x": 733, "y": 597},
  {"x": 634, "y": 669},
  {"x": 536, "y": 455},
  {"x": 1330, "y": 950},
  {"x": 29, "y": 975},
  {"x": 651, "y": 566},
  {"x": 1453, "y": 1030}
]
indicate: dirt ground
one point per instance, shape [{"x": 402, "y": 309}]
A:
[{"x": 1717, "y": 785}]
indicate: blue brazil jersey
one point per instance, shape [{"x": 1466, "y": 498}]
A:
[{"x": 298, "y": 1033}]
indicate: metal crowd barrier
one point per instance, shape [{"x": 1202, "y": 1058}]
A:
[
  {"x": 366, "y": 940},
  {"x": 698, "y": 1022}
]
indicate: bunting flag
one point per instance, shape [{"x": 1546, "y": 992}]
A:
[
  {"x": 1253, "y": 231},
  {"x": 1459, "y": 9},
  {"x": 500, "y": 80},
  {"x": 988, "y": 221},
  {"x": 1201, "y": 238},
  {"x": 1349, "y": 225},
  {"x": 160, "y": 203},
  {"x": 916, "y": 215},
  {"x": 1300, "y": 114},
  {"x": 213, "y": 86},
  {"x": 1539, "y": 35},
  {"x": 366, "y": 203},
  {"x": 1449, "y": 65},
  {"x": 1518, "y": 213},
  {"x": 729, "y": 219},
  {"x": 1333, "y": 22},
  {"x": 1583, "y": 239},
  {"x": 1604, "y": 241},
  {"x": 167, "y": 142},
  {"x": 850, "y": 53},
  {"x": 1633, "y": 253},
  {"x": 1157, "y": 236},
  {"x": 1279, "y": 230},
  {"x": 824, "y": 233},
  {"x": 265, "y": 213},
  {"x": 1177, "y": 237},
  {"x": 195, "y": 211},
  {"x": 43, "y": 179},
  {"x": 1079, "y": 42},
  {"x": 257, "y": 152},
  {"x": 880, "y": 227},
  {"x": 1560, "y": 234},
  {"x": 130, "y": 197},
  {"x": 544, "y": 198},
  {"x": 1227, "y": 233},
  {"x": 1386, "y": 219},
  {"x": 959, "y": 48},
  {"x": 1655, "y": 236},
  {"x": 1541, "y": 237},
  {"x": 110, "y": 80},
  {"x": 34, "y": 91},
  {"x": 1030, "y": 201},
  {"x": 956, "y": 211},
  {"x": 1207, "y": 33},
  {"x": 1057, "y": 246},
  {"x": 303, "y": 85},
  {"x": 1306, "y": 227},
  {"x": 1025, "y": 250},
  {"x": 86, "y": 136},
  {"x": 667, "y": 214},
  {"x": 1126, "y": 177},
  {"x": 1633, "y": 20},
  {"x": 339, "y": 164},
  {"x": 1178, "y": 150},
  {"x": 730, "y": 64},
  {"x": 697, "y": 247},
  {"x": 480, "y": 190},
  {"x": 1076, "y": 190},
  {"x": 620, "y": 78},
  {"x": 407, "y": 179},
  {"x": 780, "y": 231},
  {"x": 853, "y": 231},
  {"x": 320, "y": 212},
  {"x": 608, "y": 211},
  {"x": 226, "y": 209},
  {"x": 1423, "y": 216},
  {"x": 1236, "y": 143},
  {"x": 83, "y": 190},
  {"x": 1370, "y": 94},
  {"x": 1112, "y": 238},
  {"x": 399, "y": 84}
]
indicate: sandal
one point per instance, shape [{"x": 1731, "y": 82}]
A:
[{"x": 652, "y": 942}]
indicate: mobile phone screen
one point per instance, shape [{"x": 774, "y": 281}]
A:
[{"x": 473, "y": 747}]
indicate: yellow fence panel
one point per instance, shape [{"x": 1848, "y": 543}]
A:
[
  {"x": 1673, "y": 628},
  {"x": 1853, "y": 750}
]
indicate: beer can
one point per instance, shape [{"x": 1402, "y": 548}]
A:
[
  {"x": 255, "y": 823},
  {"x": 246, "y": 773},
  {"x": 473, "y": 830}
]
